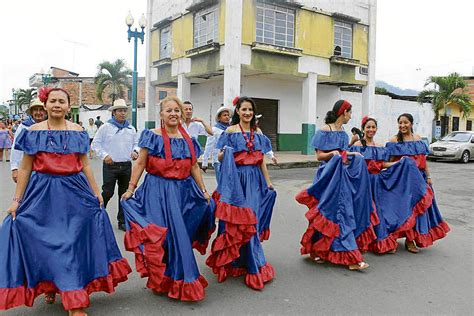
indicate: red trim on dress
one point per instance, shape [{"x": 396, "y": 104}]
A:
[
  {"x": 202, "y": 246},
  {"x": 390, "y": 242},
  {"x": 265, "y": 234},
  {"x": 118, "y": 272},
  {"x": 248, "y": 158},
  {"x": 374, "y": 166},
  {"x": 239, "y": 229},
  {"x": 419, "y": 159},
  {"x": 175, "y": 169},
  {"x": 329, "y": 230},
  {"x": 54, "y": 163},
  {"x": 368, "y": 236},
  {"x": 150, "y": 263}
]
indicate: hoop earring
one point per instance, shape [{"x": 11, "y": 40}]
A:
[{"x": 162, "y": 123}]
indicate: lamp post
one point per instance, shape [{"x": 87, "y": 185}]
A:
[
  {"x": 15, "y": 96},
  {"x": 136, "y": 35}
]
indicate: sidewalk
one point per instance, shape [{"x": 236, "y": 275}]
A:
[{"x": 289, "y": 160}]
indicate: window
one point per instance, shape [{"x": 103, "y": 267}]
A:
[
  {"x": 468, "y": 125},
  {"x": 343, "y": 39},
  {"x": 165, "y": 43},
  {"x": 163, "y": 94},
  {"x": 455, "y": 123},
  {"x": 206, "y": 26},
  {"x": 275, "y": 25}
]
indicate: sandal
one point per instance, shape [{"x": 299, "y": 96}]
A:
[
  {"x": 410, "y": 246},
  {"x": 392, "y": 251},
  {"x": 317, "y": 259},
  {"x": 359, "y": 266},
  {"x": 77, "y": 312},
  {"x": 50, "y": 298}
]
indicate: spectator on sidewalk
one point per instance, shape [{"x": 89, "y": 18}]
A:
[
  {"x": 36, "y": 113},
  {"x": 91, "y": 129},
  {"x": 116, "y": 143}
]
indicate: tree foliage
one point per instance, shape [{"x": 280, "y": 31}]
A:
[{"x": 114, "y": 77}]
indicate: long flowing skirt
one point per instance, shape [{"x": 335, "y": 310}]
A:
[
  {"x": 341, "y": 213},
  {"x": 244, "y": 206},
  {"x": 61, "y": 242},
  {"x": 165, "y": 219}
]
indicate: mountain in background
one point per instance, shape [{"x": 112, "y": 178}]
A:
[{"x": 396, "y": 90}]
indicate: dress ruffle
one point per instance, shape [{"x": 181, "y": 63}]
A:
[
  {"x": 368, "y": 236},
  {"x": 239, "y": 229},
  {"x": 150, "y": 264},
  {"x": 411, "y": 148},
  {"x": 329, "y": 230},
  {"x": 155, "y": 145},
  {"x": 237, "y": 142},
  {"x": 63, "y": 142},
  {"x": 330, "y": 140},
  {"x": 118, "y": 272}
]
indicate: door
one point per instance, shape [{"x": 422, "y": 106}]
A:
[{"x": 268, "y": 122}]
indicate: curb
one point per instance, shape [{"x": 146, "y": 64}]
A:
[{"x": 285, "y": 165}]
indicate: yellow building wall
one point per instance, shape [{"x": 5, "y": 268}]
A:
[
  {"x": 314, "y": 33},
  {"x": 360, "y": 43},
  {"x": 455, "y": 111},
  {"x": 182, "y": 35},
  {"x": 155, "y": 45},
  {"x": 221, "y": 22},
  {"x": 249, "y": 17}
]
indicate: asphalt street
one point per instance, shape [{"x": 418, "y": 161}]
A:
[{"x": 438, "y": 280}]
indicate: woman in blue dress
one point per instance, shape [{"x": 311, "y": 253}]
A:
[
  {"x": 244, "y": 201},
  {"x": 399, "y": 191},
  {"x": 341, "y": 213},
  {"x": 58, "y": 238},
  {"x": 429, "y": 225},
  {"x": 170, "y": 213}
]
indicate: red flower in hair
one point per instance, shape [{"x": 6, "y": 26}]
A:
[
  {"x": 364, "y": 120},
  {"x": 43, "y": 94},
  {"x": 235, "y": 101}
]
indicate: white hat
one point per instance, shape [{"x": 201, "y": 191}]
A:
[
  {"x": 36, "y": 102},
  {"x": 118, "y": 104},
  {"x": 222, "y": 109}
]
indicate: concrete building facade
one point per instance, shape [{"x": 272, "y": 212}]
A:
[{"x": 292, "y": 57}]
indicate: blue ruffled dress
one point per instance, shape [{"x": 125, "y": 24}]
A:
[
  {"x": 400, "y": 193},
  {"x": 62, "y": 240},
  {"x": 166, "y": 218},
  {"x": 244, "y": 206},
  {"x": 341, "y": 213},
  {"x": 430, "y": 225}
]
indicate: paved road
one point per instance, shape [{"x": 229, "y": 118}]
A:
[{"x": 438, "y": 280}]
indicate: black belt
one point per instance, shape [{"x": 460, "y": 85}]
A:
[{"x": 123, "y": 163}]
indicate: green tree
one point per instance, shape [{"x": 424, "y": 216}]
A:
[
  {"x": 381, "y": 90},
  {"x": 24, "y": 97},
  {"x": 448, "y": 90},
  {"x": 114, "y": 76}
]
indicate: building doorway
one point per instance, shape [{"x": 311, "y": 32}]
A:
[{"x": 268, "y": 123}]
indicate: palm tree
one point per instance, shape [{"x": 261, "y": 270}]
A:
[
  {"x": 114, "y": 76},
  {"x": 448, "y": 90},
  {"x": 24, "y": 97}
]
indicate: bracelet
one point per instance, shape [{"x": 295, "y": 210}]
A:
[
  {"x": 129, "y": 191},
  {"x": 134, "y": 185},
  {"x": 17, "y": 199}
]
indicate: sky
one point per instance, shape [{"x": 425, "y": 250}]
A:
[{"x": 415, "y": 39}]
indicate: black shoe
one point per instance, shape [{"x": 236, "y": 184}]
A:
[{"x": 121, "y": 226}]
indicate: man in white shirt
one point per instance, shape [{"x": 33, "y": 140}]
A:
[
  {"x": 91, "y": 131},
  {"x": 116, "y": 143},
  {"x": 195, "y": 126},
  {"x": 222, "y": 122},
  {"x": 36, "y": 113}
]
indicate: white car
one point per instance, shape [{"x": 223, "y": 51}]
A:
[{"x": 454, "y": 146}]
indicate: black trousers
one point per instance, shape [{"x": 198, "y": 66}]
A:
[{"x": 119, "y": 173}]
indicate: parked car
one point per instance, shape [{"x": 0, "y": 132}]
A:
[{"x": 454, "y": 146}]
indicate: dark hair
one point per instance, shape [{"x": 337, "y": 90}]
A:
[
  {"x": 362, "y": 140},
  {"x": 188, "y": 102},
  {"x": 410, "y": 118},
  {"x": 62, "y": 90},
  {"x": 331, "y": 116},
  {"x": 235, "y": 116}
]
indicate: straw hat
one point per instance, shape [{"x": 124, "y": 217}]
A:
[
  {"x": 222, "y": 109},
  {"x": 36, "y": 102},
  {"x": 118, "y": 104}
]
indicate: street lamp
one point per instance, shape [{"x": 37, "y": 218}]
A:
[
  {"x": 136, "y": 35},
  {"x": 15, "y": 96}
]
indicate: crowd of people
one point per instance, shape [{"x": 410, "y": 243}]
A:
[{"x": 58, "y": 239}]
